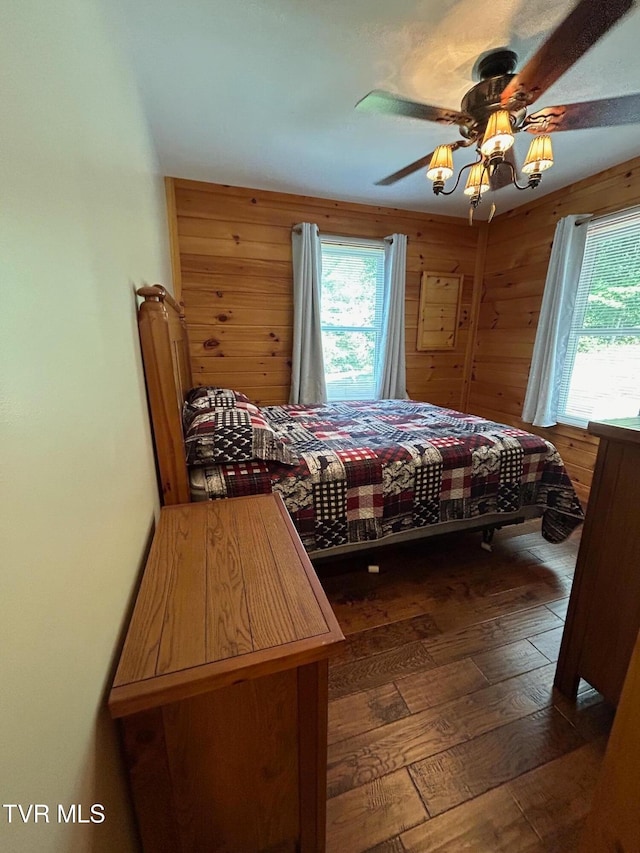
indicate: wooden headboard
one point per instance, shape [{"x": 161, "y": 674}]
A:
[{"x": 167, "y": 369}]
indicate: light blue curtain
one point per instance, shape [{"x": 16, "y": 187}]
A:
[
  {"x": 391, "y": 371},
  {"x": 550, "y": 349},
  {"x": 307, "y": 368}
]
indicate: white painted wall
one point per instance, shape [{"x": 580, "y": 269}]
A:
[{"x": 82, "y": 223}]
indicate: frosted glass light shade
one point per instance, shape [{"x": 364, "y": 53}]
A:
[
  {"x": 478, "y": 180},
  {"x": 539, "y": 156},
  {"x": 441, "y": 165},
  {"x": 498, "y": 136}
]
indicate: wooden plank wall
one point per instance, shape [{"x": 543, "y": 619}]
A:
[
  {"x": 235, "y": 273},
  {"x": 517, "y": 255}
]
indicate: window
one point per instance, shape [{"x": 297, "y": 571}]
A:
[
  {"x": 352, "y": 314},
  {"x": 601, "y": 375}
]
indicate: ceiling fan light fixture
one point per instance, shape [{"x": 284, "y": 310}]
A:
[
  {"x": 478, "y": 180},
  {"x": 496, "y": 108},
  {"x": 540, "y": 155},
  {"x": 441, "y": 165},
  {"x": 498, "y": 137}
]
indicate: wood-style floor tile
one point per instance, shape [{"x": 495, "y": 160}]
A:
[
  {"x": 564, "y": 563},
  {"x": 565, "y": 839},
  {"x": 377, "y": 669},
  {"x": 461, "y": 614},
  {"x": 363, "y": 711},
  {"x": 559, "y": 607},
  {"x": 488, "y": 635},
  {"x": 393, "y": 845},
  {"x": 385, "y": 637},
  {"x": 477, "y": 575},
  {"x": 507, "y": 661},
  {"x": 557, "y": 796},
  {"x": 362, "y": 818},
  {"x": 492, "y": 823},
  {"x": 470, "y": 769},
  {"x": 548, "y": 643},
  {"x": 444, "y": 690},
  {"x": 535, "y": 592},
  {"x": 353, "y": 619},
  {"x": 588, "y": 713},
  {"x": 364, "y": 757},
  {"x": 424, "y": 690},
  {"x": 555, "y": 552}
]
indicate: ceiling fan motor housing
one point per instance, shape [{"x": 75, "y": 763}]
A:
[
  {"x": 485, "y": 98},
  {"x": 494, "y": 70}
]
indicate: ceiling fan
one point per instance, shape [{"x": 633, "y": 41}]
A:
[{"x": 496, "y": 108}]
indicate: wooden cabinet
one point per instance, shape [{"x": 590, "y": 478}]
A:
[
  {"x": 603, "y": 618},
  {"x": 221, "y": 688}
]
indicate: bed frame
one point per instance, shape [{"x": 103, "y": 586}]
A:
[
  {"x": 167, "y": 370},
  {"x": 167, "y": 367}
]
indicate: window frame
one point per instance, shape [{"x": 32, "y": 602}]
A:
[
  {"x": 577, "y": 331},
  {"x": 378, "y": 244}
]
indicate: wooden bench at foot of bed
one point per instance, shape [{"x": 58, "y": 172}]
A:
[{"x": 221, "y": 689}]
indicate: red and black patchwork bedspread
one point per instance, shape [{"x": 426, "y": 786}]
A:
[{"x": 367, "y": 469}]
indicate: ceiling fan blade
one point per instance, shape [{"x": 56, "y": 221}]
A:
[
  {"x": 502, "y": 175},
  {"x": 388, "y": 104},
  {"x": 408, "y": 170},
  {"x": 608, "y": 112},
  {"x": 587, "y": 23},
  {"x": 418, "y": 164}
]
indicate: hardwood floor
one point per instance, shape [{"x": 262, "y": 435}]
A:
[{"x": 445, "y": 732}]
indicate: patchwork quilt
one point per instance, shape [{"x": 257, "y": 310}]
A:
[{"x": 367, "y": 469}]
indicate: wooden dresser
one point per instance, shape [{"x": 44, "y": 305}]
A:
[
  {"x": 603, "y": 618},
  {"x": 221, "y": 688}
]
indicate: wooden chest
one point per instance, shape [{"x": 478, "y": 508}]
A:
[{"x": 222, "y": 684}]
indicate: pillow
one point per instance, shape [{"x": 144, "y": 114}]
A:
[
  {"x": 204, "y": 398},
  {"x": 234, "y": 435},
  {"x": 220, "y": 396}
]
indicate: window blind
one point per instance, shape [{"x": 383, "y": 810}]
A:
[
  {"x": 351, "y": 312},
  {"x": 601, "y": 376}
]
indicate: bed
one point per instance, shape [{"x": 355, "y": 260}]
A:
[{"x": 352, "y": 475}]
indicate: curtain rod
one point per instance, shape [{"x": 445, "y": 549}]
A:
[{"x": 345, "y": 239}]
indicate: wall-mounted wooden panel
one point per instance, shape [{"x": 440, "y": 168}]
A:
[
  {"x": 518, "y": 249},
  {"x": 440, "y": 296},
  {"x": 235, "y": 272}
]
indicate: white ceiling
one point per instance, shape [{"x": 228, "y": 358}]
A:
[{"x": 260, "y": 93}]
